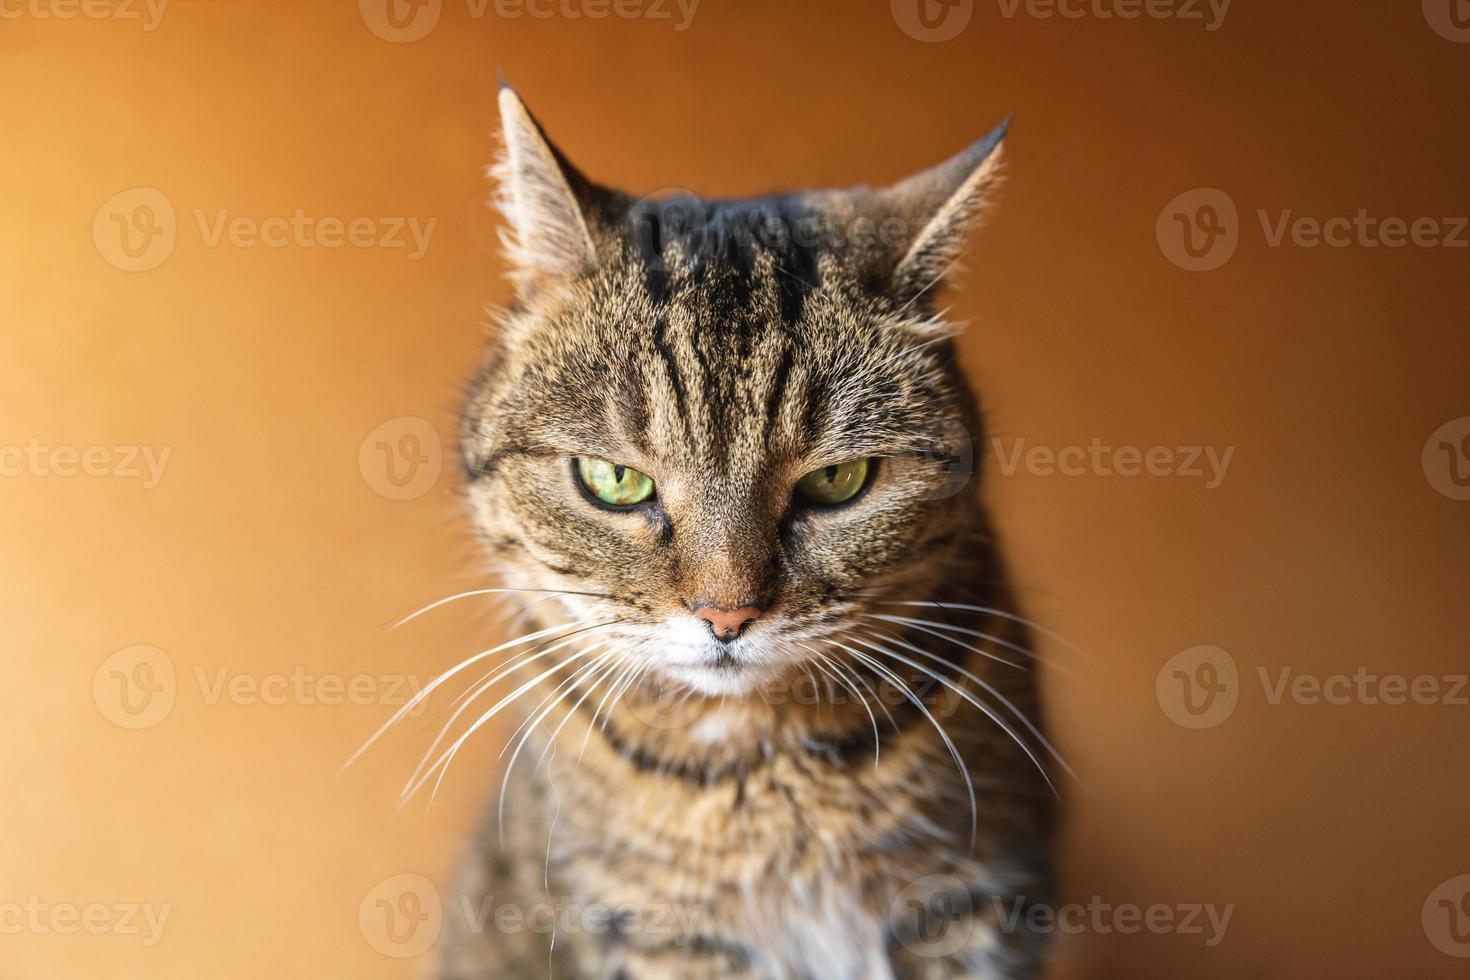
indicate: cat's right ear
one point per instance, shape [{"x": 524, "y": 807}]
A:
[
  {"x": 939, "y": 207},
  {"x": 545, "y": 201}
]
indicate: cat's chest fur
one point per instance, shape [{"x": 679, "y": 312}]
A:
[{"x": 796, "y": 867}]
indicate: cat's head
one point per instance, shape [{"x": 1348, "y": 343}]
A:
[{"x": 724, "y": 426}]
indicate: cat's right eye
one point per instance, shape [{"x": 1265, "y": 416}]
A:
[
  {"x": 836, "y": 484},
  {"x": 613, "y": 484}
]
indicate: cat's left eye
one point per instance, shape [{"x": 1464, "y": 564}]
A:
[
  {"x": 835, "y": 484},
  {"x": 613, "y": 483}
]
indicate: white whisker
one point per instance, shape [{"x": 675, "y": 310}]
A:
[
  {"x": 571, "y": 685},
  {"x": 949, "y": 742},
  {"x": 923, "y": 625},
  {"x": 424, "y": 610},
  {"x": 442, "y": 763},
  {"x": 829, "y": 667},
  {"x": 1032, "y": 624},
  {"x": 437, "y": 682},
  {"x": 986, "y": 709}
]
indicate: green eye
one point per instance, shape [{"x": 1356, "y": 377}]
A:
[
  {"x": 613, "y": 483},
  {"x": 832, "y": 485}
]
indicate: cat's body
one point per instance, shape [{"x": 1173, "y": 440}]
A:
[{"x": 797, "y": 808}]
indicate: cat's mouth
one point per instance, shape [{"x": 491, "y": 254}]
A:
[
  {"x": 682, "y": 650},
  {"x": 723, "y": 669},
  {"x": 724, "y": 660}
]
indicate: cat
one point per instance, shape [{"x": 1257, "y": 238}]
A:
[{"x": 787, "y": 725}]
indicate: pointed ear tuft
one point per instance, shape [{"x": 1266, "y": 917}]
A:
[
  {"x": 942, "y": 204},
  {"x": 545, "y": 202}
]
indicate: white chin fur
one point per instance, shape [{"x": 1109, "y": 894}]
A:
[
  {"x": 715, "y": 681},
  {"x": 682, "y": 652}
]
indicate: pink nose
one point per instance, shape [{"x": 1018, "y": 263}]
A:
[{"x": 726, "y": 624}]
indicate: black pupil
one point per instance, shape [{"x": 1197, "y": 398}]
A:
[
  {"x": 618, "y": 473},
  {"x": 831, "y": 474}
]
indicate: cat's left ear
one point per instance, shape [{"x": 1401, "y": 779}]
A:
[
  {"x": 548, "y": 205},
  {"x": 937, "y": 209}
]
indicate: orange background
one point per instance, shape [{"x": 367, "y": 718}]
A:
[{"x": 265, "y": 550}]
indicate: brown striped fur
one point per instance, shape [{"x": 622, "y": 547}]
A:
[{"x": 747, "y": 809}]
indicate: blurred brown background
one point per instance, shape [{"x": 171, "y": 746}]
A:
[{"x": 258, "y": 562}]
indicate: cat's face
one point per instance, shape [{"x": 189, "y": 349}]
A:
[{"x": 711, "y": 439}]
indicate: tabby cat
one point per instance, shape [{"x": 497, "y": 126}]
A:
[{"x": 781, "y": 719}]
